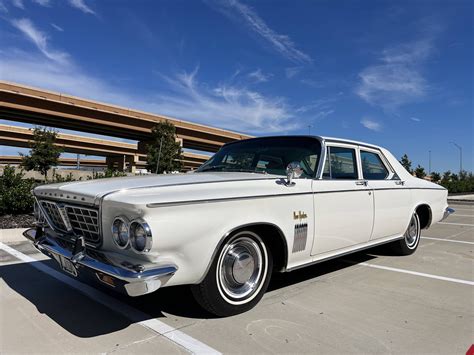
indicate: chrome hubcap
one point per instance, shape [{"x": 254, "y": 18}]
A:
[
  {"x": 412, "y": 233},
  {"x": 240, "y": 268}
]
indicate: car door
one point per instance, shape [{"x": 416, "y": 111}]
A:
[
  {"x": 343, "y": 204},
  {"x": 392, "y": 199}
]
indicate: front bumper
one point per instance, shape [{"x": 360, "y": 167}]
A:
[
  {"x": 133, "y": 279},
  {"x": 447, "y": 212}
]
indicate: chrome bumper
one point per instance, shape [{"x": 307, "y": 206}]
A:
[
  {"x": 135, "y": 280},
  {"x": 447, "y": 212}
]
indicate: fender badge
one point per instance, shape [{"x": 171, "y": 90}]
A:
[{"x": 300, "y": 215}]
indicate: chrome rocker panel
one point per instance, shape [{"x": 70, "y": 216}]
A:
[{"x": 135, "y": 281}]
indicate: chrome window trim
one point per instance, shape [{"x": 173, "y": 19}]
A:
[
  {"x": 384, "y": 161},
  {"x": 327, "y": 147}
]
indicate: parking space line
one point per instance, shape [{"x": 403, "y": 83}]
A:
[
  {"x": 176, "y": 336},
  {"x": 430, "y": 276},
  {"x": 457, "y": 224},
  {"x": 463, "y": 215},
  {"x": 449, "y": 240}
]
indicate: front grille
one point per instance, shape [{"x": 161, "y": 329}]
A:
[
  {"x": 80, "y": 220},
  {"x": 85, "y": 222},
  {"x": 52, "y": 210}
]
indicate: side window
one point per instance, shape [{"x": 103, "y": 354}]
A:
[
  {"x": 372, "y": 166},
  {"x": 340, "y": 164}
]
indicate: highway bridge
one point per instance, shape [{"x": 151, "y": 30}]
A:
[
  {"x": 40, "y": 107},
  {"x": 119, "y": 155}
]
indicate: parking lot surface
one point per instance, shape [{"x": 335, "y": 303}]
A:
[{"x": 369, "y": 302}]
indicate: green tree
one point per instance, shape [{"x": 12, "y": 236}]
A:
[
  {"x": 406, "y": 163},
  {"x": 446, "y": 176},
  {"x": 435, "y": 177},
  {"x": 420, "y": 172},
  {"x": 164, "y": 152},
  {"x": 44, "y": 154}
]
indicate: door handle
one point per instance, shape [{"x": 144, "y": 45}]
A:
[{"x": 363, "y": 182}]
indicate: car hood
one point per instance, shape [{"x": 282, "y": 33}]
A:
[{"x": 91, "y": 191}]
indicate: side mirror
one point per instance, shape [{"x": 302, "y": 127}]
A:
[{"x": 293, "y": 171}]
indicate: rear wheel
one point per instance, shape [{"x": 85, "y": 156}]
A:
[
  {"x": 411, "y": 238},
  {"x": 238, "y": 277}
]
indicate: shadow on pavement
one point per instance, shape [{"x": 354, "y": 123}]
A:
[{"x": 83, "y": 317}]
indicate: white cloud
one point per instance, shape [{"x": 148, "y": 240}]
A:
[
  {"x": 56, "y": 27},
  {"x": 416, "y": 119},
  {"x": 398, "y": 79},
  {"x": 19, "y": 4},
  {"x": 40, "y": 39},
  {"x": 259, "y": 77},
  {"x": 281, "y": 43},
  {"x": 44, "y": 3},
  {"x": 372, "y": 125},
  {"x": 81, "y": 5}
]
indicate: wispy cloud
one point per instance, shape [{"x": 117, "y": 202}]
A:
[
  {"x": 259, "y": 76},
  {"x": 416, "y": 119},
  {"x": 3, "y": 8},
  {"x": 225, "y": 105},
  {"x": 293, "y": 71},
  {"x": 44, "y": 3},
  {"x": 19, "y": 4},
  {"x": 40, "y": 39},
  {"x": 397, "y": 79},
  {"x": 81, "y": 5},
  {"x": 371, "y": 124},
  {"x": 243, "y": 13},
  {"x": 57, "y": 28}
]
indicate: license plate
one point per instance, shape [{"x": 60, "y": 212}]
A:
[{"x": 67, "y": 266}]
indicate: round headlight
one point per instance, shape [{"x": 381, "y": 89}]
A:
[
  {"x": 140, "y": 236},
  {"x": 120, "y": 232}
]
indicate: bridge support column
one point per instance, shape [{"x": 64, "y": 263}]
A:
[{"x": 122, "y": 162}]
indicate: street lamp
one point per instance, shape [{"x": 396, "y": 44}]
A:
[{"x": 460, "y": 155}]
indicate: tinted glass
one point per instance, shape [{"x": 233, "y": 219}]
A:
[
  {"x": 267, "y": 155},
  {"x": 372, "y": 166},
  {"x": 340, "y": 164}
]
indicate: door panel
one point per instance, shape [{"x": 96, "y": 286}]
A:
[
  {"x": 343, "y": 214},
  {"x": 392, "y": 208}
]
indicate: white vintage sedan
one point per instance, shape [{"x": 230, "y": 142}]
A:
[{"x": 257, "y": 206}]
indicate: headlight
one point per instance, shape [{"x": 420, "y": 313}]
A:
[
  {"x": 140, "y": 236},
  {"x": 120, "y": 232}
]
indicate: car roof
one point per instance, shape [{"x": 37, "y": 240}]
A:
[{"x": 320, "y": 138}]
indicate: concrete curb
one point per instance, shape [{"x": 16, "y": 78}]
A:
[{"x": 13, "y": 235}]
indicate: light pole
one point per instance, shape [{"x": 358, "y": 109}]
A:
[
  {"x": 429, "y": 163},
  {"x": 460, "y": 155}
]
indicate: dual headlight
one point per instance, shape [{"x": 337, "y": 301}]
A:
[{"x": 136, "y": 233}]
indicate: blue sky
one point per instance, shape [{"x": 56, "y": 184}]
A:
[{"x": 394, "y": 73}]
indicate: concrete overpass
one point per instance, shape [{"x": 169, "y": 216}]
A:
[
  {"x": 36, "y": 106},
  {"x": 118, "y": 155},
  {"x": 90, "y": 163}
]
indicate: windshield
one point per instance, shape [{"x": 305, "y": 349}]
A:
[{"x": 267, "y": 155}]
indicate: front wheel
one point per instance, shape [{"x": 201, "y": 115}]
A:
[
  {"x": 238, "y": 277},
  {"x": 411, "y": 238}
]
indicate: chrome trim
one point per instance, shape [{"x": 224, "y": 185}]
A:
[
  {"x": 225, "y": 199},
  {"x": 126, "y": 222},
  {"x": 136, "y": 283},
  {"x": 447, "y": 212},
  {"x": 149, "y": 237}
]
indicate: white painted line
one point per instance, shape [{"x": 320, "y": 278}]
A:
[
  {"x": 403, "y": 271},
  {"x": 457, "y": 224},
  {"x": 463, "y": 215},
  {"x": 449, "y": 240},
  {"x": 178, "y": 337}
]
